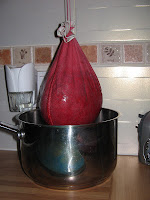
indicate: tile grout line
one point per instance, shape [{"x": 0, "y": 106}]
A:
[
  {"x": 32, "y": 54},
  {"x": 11, "y": 50}
]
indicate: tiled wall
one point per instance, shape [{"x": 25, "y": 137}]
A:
[
  {"x": 101, "y": 54},
  {"x": 115, "y": 36},
  {"x": 123, "y": 70}
]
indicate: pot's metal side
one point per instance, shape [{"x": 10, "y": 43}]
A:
[
  {"x": 72, "y": 157},
  {"x": 67, "y": 157}
]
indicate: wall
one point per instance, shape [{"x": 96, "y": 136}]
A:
[
  {"x": 113, "y": 34},
  {"x": 31, "y": 22}
]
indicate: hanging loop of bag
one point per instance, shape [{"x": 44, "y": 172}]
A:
[{"x": 65, "y": 30}]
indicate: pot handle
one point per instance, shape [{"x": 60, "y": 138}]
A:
[{"x": 12, "y": 128}]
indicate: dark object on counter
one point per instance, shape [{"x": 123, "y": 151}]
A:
[
  {"x": 67, "y": 157},
  {"x": 144, "y": 138}
]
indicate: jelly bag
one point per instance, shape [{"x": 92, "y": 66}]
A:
[{"x": 71, "y": 92}]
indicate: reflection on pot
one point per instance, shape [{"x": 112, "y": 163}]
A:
[{"x": 58, "y": 152}]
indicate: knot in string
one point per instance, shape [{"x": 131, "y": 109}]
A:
[{"x": 65, "y": 31}]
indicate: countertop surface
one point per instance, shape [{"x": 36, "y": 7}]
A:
[{"x": 129, "y": 181}]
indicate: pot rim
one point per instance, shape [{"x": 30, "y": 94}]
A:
[{"x": 65, "y": 126}]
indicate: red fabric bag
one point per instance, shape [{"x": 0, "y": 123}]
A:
[{"x": 72, "y": 93}]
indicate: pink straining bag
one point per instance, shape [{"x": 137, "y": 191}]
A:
[{"x": 72, "y": 93}]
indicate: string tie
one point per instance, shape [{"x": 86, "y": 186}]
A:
[{"x": 65, "y": 31}]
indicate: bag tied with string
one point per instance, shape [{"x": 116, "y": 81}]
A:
[{"x": 71, "y": 93}]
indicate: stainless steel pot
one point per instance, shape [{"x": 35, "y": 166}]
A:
[{"x": 67, "y": 157}]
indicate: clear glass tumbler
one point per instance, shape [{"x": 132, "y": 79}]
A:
[{"x": 20, "y": 101}]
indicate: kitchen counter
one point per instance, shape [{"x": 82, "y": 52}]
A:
[{"x": 130, "y": 181}]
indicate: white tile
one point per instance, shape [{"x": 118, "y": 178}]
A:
[
  {"x": 21, "y": 55},
  {"x": 110, "y": 53},
  {"x": 148, "y": 53},
  {"x": 127, "y": 149},
  {"x": 128, "y": 109},
  {"x": 122, "y": 71},
  {"x": 6, "y": 138},
  {"x": 125, "y": 88},
  {"x": 127, "y": 133}
]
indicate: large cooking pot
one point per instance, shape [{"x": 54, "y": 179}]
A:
[{"x": 67, "y": 157}]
